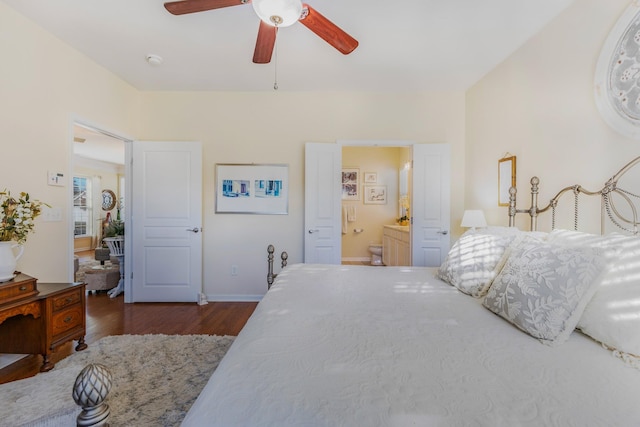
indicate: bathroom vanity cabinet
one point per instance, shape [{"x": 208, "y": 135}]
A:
[{"x": 396, "y": 245}]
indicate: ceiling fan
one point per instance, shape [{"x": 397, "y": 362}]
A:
[{"x": 274, "y": 14}]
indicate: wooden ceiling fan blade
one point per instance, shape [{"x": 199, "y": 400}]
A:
[
  {"x": 190, "y": 6},
  {"x": 265, "y": 43},
  {"x": 328, "y": 31}
]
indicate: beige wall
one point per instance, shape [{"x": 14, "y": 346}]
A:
[
  {"x": 82, "y": 244},
  {"x": 370, "y": 218},
  {"x": 539, "y": 105},
  {"x": 45, "y": 84},
  {"x": 272, "y": 127}
]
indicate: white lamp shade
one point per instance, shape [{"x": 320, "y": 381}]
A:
[
  {"x": 473, "y": 219},
  {"x": 279, "y": 13}
]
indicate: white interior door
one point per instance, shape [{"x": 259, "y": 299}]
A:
[
  {"x": 322, "y": 233},
  {"x": 430, "y": 226},
  {"x": 166, "y": 221}
]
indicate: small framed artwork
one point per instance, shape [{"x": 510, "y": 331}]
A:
[
  {"x": 370, "y": 177},
  {"x": 350, "y": 184},
  {"x": 375, "y": 194},
  {"x": 252, "y": 188},
  {"x": 506, "y": 178}
]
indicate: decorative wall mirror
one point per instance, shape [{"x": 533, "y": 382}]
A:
[
  {"x": 506, "y": 178},
  {"x": 108, "y": 200},
  {"x": 617, "y": 92}
]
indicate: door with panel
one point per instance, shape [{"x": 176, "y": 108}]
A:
[{"x": 166, "y": 221}]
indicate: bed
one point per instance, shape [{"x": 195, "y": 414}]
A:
[{"x": 514, "y": 329}]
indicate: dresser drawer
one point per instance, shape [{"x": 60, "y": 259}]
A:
[
  {"x": 66, "y": 320},
  {"x": 17, "y": 289},
  {"x": 67, "y": 299}
]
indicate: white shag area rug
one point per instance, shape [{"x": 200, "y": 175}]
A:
[{"x": 156, "y": 379}]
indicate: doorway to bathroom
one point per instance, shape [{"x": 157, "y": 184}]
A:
[
  {"x": 375, "y": 202},
  {"x": 429, "y": 180}
]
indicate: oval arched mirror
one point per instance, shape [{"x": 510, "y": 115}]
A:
[{"x": 617, "y": 91}]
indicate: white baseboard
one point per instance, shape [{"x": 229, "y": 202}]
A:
[{"x": 234, "y": 298}]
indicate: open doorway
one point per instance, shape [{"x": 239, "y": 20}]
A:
[
  {"x": 373, "y": 211},
  {"x": 429, "y": 205},
  {"x": 98, "y": 175}
]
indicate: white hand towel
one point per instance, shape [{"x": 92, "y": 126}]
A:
[
  {"x": 351, "y": 213},
  {"x": 344, "y": 219}
]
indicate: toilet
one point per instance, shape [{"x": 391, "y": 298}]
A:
[{"x": 376, "y": 253}]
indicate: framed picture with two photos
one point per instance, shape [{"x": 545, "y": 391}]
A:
[{"x": 350, "y": 184}]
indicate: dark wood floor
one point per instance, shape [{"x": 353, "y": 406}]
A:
[{"x": 111, "y": 316}]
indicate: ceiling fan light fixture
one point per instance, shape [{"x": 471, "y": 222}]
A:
[{"x": 278, "y": 13}]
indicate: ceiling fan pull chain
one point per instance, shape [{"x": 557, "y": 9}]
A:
[{"x": 275, "y": 78}]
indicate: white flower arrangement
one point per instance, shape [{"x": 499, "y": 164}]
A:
[{"x": 17, "y": 216}]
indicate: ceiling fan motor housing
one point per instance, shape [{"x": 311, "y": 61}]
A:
[
  {"x": 279, "y": 13},
  {"x": 274, "y": 14}
]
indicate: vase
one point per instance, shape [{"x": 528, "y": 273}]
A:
[{"x": 9, "y": 259}]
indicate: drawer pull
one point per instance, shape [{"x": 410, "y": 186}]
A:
[
  {"x": 69, "y": 300},
  {"x": 23, "y": 288},
  {"x": 67, "y": 319}
]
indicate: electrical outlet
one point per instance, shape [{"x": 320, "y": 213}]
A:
[{"x": 234, "y": 270}]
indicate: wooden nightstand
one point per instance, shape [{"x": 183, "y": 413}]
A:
[{"x": 41, "y": 323}]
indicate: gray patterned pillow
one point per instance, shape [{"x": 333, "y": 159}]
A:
[
  {"x": 543, "y": 288},
  {"x": 476, "y": 258}
]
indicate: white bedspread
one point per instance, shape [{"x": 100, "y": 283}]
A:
[{"x": 394, "y": 346}]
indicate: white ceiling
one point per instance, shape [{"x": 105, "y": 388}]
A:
[
  {"x": 93, "y": 145},
  {"x": 404, "y": 46}
]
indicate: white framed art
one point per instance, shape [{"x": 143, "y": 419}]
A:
[
  {"x": 370, "y": 177},
  {"x": 252, "y": 188},
  {"x": 350, "y": 184},
  {"x": 375, "y": 194}
]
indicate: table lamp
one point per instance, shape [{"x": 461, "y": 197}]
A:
[{"x": 472, "y": 219}]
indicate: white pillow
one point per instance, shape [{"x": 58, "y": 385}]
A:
[
  {"x": 476, "y": 258},
  {"x": 543, "y": 288},
  {"x": 612, "y": 317}
]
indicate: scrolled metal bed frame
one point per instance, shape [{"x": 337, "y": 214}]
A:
[
  {"x": 608, "y": 206},
  {"x": 270, "y": 275}
]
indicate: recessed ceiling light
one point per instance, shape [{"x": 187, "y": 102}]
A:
[{"x": 154, "y": 59}]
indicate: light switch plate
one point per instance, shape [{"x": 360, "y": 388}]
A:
[{"x": 51, "y": 214}]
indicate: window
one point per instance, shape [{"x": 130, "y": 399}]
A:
[{"x": 81, "y": 206}]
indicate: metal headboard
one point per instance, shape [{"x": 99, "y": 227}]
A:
[
  {"x": 270, "y": 275},
  {"x": 607, "y": 203}
]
